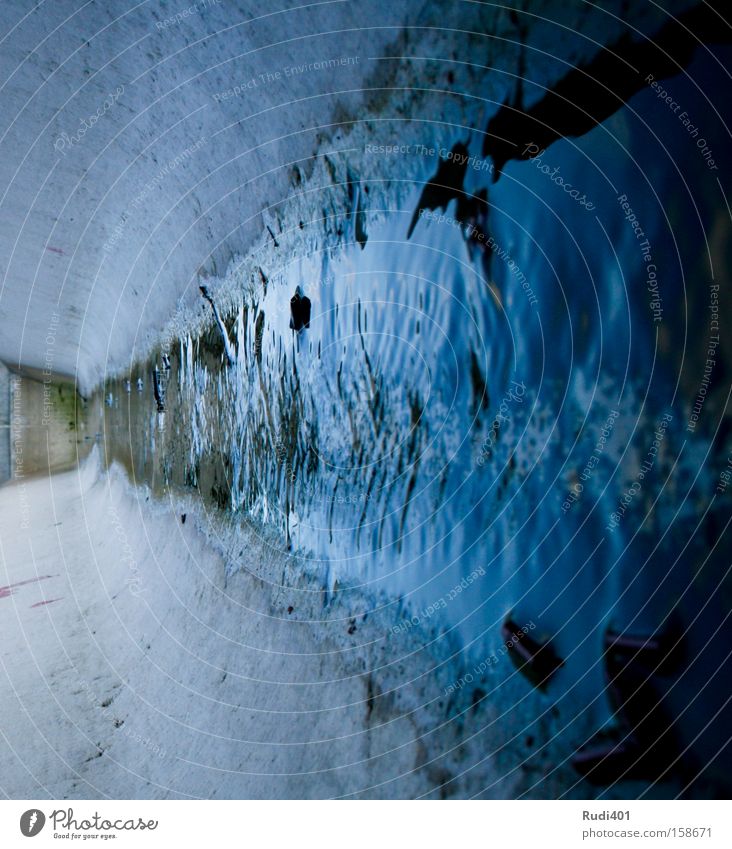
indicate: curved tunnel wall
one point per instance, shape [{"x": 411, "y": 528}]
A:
[{"x": 139, "y": 143}]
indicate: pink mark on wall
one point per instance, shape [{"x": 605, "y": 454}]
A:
[
  {"x": 50, "y": 601},
  {"x": 5, "y": 592},
  {"x": 55, "y": 250}
]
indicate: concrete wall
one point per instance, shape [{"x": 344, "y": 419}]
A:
[
  {"x": 130, "y": 162},
  {"x": 45, "y": 434},
  {"x": 4, "y": 424},
  {"x": 134, "y": 664}
]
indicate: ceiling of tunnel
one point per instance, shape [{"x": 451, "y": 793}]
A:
[
  {"x": 130, "y": 159},
  {"x": 139, "y": 143}
]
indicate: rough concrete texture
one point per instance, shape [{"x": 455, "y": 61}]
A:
[
  {"x": 143, "y": 671},
  {"x": 130, "y": 162}
]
